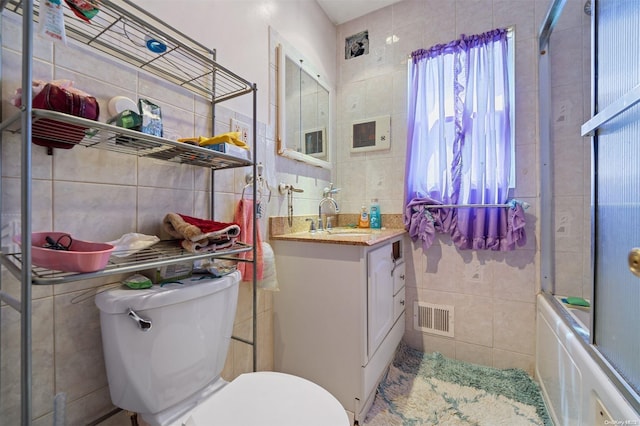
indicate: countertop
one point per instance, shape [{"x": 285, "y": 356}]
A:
[{"x": 344, "y": 236}]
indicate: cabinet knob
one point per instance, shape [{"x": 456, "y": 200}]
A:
[
  {"x": 402, "y": 277},
  {"x": 402, "y": 302}
]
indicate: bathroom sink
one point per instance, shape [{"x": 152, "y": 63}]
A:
[{"x": 351, "y": 232}]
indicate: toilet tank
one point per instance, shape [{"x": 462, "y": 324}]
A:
[{"x": 184, "y": 350}]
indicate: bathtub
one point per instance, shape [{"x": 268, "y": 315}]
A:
[{"x": 575, "y": 388}]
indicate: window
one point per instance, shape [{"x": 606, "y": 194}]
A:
[{"x": 461, "y": 129}]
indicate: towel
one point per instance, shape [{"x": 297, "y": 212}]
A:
[
  {"x": 200, "y": 235},
  {"x": 269, "y": 279},
  {"x": 229, "y": 137},
  {"x": 132, "y": 243},
  {"x": 244, "y": 217}
]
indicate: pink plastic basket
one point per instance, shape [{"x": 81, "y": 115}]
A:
[{"x": 82, "y": 256}]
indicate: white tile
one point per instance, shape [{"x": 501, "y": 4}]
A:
[
  {"x": 514, "y": 326},
  {"x": 474, "y": 319},
  {"x": 88, "y": 165},
  {"x": 517, "y": 13},
  {"x": 88, "y": 63},
  {"x": 155, "y": 203},
  {"x": 42, "y": 361},
  {"x": 94, "y": 212},
  {"x": 79, "y": 362},
  {"x": 474, "y": 16}
]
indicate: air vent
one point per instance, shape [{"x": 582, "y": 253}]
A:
[{"x": 433, "y": 319}]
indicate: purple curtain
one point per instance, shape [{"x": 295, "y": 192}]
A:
[{"x": 459, "y": 141}]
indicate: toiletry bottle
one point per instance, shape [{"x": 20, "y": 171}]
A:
[
  {"x": 375, "y": 221},
  {"x": 363, "y": 221}
]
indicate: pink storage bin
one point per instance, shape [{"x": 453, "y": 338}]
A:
[{"x": 82, "y": 256}]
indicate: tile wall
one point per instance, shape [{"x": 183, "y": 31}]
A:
[{"x": 493, "y": 294}]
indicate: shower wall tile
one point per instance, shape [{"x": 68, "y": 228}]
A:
[
  {"x": 569, "y": 170},
  {"x": 570, "y": 224},
  {"x": 566, "y": 55},
  {"x": 567, "y": 111},
  {"x": 569, "y": 273},
  {"x": 572, "y": 15}
]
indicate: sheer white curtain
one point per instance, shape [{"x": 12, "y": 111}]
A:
[{"x": 459, "y": 137}]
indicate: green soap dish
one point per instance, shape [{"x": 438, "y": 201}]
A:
[
  {"x": 138, "y": 282},
  {"x": 576, "y": 301}
]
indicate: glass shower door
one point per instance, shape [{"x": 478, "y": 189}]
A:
[{"x": 616, "y": 125}]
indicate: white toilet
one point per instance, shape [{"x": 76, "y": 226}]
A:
[{"x": 164, "y": 350}]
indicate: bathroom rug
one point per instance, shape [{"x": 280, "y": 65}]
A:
[{"x": 430, "y": 389}]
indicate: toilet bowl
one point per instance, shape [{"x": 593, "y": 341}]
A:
[{"x": 165, "y": 348}]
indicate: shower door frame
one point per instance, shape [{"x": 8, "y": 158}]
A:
[{"x": 588, "y": 129}]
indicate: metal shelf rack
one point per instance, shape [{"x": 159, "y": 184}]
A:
[{"x": 120, "y": 31}]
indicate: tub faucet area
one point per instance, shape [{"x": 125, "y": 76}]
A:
[{"x": 327, "y": 197}]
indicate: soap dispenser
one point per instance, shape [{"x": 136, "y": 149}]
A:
[
  {"x": 363, "y": 221},
  {"x": 375, "y": 221}
]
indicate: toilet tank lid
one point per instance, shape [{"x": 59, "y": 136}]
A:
[{"x": 120, "y": 299}]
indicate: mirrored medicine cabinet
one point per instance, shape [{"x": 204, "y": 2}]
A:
[{"x": 304, "y": 112}]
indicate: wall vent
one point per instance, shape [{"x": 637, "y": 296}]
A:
[{"x": 433, "y": 319}]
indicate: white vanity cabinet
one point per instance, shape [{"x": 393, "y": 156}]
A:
[{"x": 339, "y": 315}]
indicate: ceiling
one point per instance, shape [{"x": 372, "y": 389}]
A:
[{"x": 341, "y": 11}]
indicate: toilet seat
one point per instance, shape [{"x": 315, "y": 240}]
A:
[{"x": 268, "y": 399}]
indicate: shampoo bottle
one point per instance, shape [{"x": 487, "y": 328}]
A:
[
  {"x": 374, "y": 215},
  {"x": 363, "y": 221}
]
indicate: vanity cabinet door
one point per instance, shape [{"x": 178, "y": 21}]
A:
[{"x": 380, "y": 304}]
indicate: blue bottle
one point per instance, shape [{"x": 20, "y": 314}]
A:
[{"x": 375, "y": 221}]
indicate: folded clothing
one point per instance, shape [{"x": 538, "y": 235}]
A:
[{"x": 200, "y": 234}]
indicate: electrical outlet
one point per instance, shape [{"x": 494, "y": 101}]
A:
[{"x": 243, "y": 128}]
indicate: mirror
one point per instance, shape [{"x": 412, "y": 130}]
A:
[{"x": 303, "y": 111}]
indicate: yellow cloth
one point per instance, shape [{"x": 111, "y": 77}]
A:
[{"x": 229, "y": 137}]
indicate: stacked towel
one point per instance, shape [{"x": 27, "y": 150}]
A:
[{"x": 200, "y": 235}]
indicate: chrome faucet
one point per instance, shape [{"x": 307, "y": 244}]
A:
[{"x": 327, "y": 197}]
